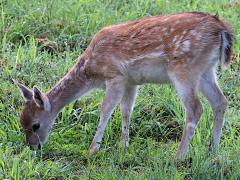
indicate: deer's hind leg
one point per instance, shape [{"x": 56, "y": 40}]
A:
[
  {"x": 210, "y": 89},
  {"x": 187, "y": 87}
]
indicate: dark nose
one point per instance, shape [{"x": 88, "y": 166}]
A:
[{"x": 34, "y": 146}]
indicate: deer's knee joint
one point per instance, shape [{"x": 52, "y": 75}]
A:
[
  {"x": 224, "y": 103},
  {"x": 221, "y": 106},
  {"x": 198, "y": 109},
  {"x": 191, "y": 128}
]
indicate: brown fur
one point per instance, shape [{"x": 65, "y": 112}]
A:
[
  {"x": 144, "y": 36},
  {"x": 27, "y": 117}
]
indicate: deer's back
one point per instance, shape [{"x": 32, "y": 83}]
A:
[{"x": 158, "y": 41}]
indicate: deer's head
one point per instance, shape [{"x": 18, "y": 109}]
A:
[{"x": 36, "y": 118}]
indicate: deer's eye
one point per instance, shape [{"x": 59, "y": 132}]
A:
[{"x": 35, "y": 127}]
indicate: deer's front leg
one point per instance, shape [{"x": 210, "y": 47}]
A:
[
  {"x": 114, "y": 93},
  {"x": 126, "y": 106}
]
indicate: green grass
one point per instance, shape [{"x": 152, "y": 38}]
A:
[{"x": 39, "y": 42}]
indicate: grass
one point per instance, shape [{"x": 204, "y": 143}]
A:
[{"x": 40, "y": 41}]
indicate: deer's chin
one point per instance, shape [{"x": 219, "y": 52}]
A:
[{"x": 35, "y": 146}]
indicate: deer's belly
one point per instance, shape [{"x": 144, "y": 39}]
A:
[{"x": 148, "y": 71}]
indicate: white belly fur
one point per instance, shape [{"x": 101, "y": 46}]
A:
[{"x": 148, "y": 71}]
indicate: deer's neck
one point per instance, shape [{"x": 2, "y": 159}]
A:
[{"x": 73, "y": 85}]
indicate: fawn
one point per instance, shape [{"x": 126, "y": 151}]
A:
[{"x": 181, "y": 49}]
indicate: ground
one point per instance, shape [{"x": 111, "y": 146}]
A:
[{"x": 40, "y": 41}]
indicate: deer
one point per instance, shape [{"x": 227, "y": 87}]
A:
[{"x": 180, "y": 49}]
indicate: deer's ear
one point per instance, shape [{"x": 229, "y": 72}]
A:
[
  {"x": 41, "y": 99},
  {"x": 26, "y": 93}
]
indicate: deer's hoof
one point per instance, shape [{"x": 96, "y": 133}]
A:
[{"x": 94, "y": 148}]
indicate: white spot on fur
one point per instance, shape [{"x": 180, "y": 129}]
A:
[
  {"x": 198, "y": 36},
  {"x": 142, "y": 31},
  {"x": 160, "y": 48},
  {"x": 175, "y": 53},
  {"x": 164, "y": 29},
  {"x": 193, "y": 33},
  {"x": 156, "y": 54},
  {"x": 174, "y": 39},
  {"x": 166, "y": 19},
  {"x": 177, "y": 44},
  {"x": 181, "y": 38},
  {"x": 177, "y": 22},
  {"x": 99, "y": 43},
  {"x": 186, "y": 45},
  {"x": 181, "y": 53},
  {"x": 155, "y": 28}
]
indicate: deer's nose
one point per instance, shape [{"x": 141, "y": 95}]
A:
[{"x": 34, "y": 146}]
